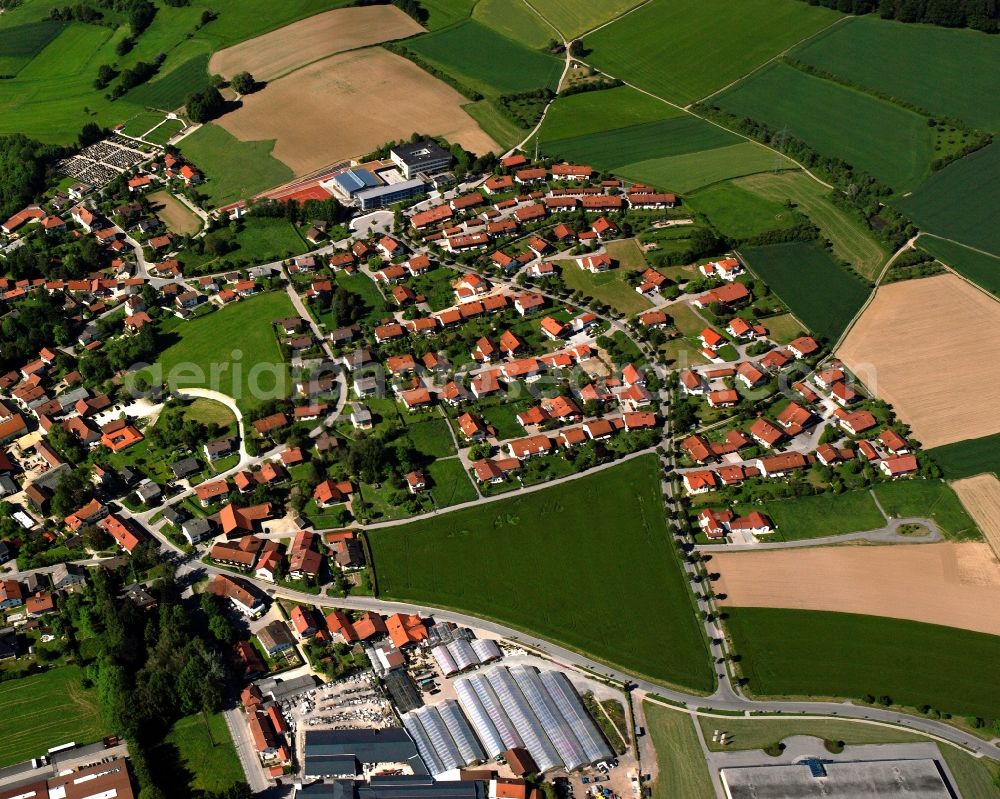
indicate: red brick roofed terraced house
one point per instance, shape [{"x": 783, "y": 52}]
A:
[
  {"x": 572, "y": 171},
  {"x": 829, "y": 455},
  {"x": 530, "y": 175},
  {"x": 900, "y": 466},
  {"x": 469, "y": 241},
  {"x": 561, "y": 203},
  {"x": 531, "y": 446},
  {"x": 498, "y": 183},
  {"x": 522, "y": 369},
  {"x": 529, "y": 213},
  {"x": 652, "y": 200},
  {"x": 755, "y": 523},
  {"x": 612, "y": 202},
  {"x": 269, "y": 424},
  {"x": 466, "y": 201},
  {"x": 766, "y": 433},
  {"x": 513, "y": 161},
  {"x": 639, "y": 421},
  {"x": 431, "y": 216},
  {"x": 241, "y": 553}
]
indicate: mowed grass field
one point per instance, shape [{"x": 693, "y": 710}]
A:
[
  {"x": 960, "y": 202},
  {"x": 572, "y": 17},
  {"x": 945, "y": 71},
  {"x": 814, "y": 286},
  {"x": 911, "y": 662},
  {"x": 981, "y": 269},
  {"x": 589, "y": 565},
  {"x": 968, "y": 457},
  {"x": 851, "y": 241},
  {"x": 682, "y": 767},
  {"x": 18, "y": 45},
  {"x": 683, "y": 50},
  {"x": 487, "y": 61},
  {"x": 690, "y": 171},
  {"x": 739, "y": 214},
  {"x": 579, "y": 115},
  {"x": 46, "y": 710},
  {"x": 211, "y": 340},
  {"x": 887, "y": 141},
  {"x": 821, "y": 515},
  {"x": 234, "y": 169},
  {"x": 934, "y": 499},
  {"x": 197, "y": 755},
  {"x": 516, "y": 21}
]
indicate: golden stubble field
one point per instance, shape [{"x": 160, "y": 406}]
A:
[
  {"x": 927, "y": 347},
  {"x": 349, "y": 104},
  {"x": 957, "y": 585},
  {"x": 981, "y": 497},
  {"x": 286, "y": 49}
]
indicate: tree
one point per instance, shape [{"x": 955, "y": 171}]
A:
[
  {"x": 205, "y": 104},
  {"x": 243, "y": 83}
]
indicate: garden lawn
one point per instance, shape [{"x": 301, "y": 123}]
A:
[
  {"x": 431, "y": 438},
  {"x": 198, "y": 755},
  {"x": 582, "y": 114},
  {"x": 450, "y": 483},
  {"x": 233, "y": 169},
  {"x": 359, "y": 283},
  {"x": 689, "y": 171},
  {"x": 212, "y": 339},
  {"x": 820, "y": 515},
  {"x": 981, "y": 269},
  {"x": 760, "y": 733},
  {"x": 969, "y": 457},
  {"x": 784, "y": 328},
  {"x": 682, "y": 767},
  {"x": 738, "y": 214},
  {"x": 911, "y": 662},
  {"x": 473, "y": 53},
  {"x": 817, "y": 289},
  {"x": 960, "y": 202},
  {"x": 591, "y": 554},
  {"x": 887, "y": 141},
  {"x": 945, "y": 71},
  {"x": 261, "y": 240},
  {"x": 46, "y": 710},
  {"x": 504, "y": 420},
  {"x": 851, "y": 240},
  {"x": 611, "y": 287},
  {"x": 934, "y": 499},
  {"x": 685, "y": 65}
]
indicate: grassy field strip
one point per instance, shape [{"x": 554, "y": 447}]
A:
[{"x": 683, "y": 770}]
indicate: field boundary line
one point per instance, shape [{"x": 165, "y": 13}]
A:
[
  {"x": 959, "y": 243},
  {"x": 774, "y": 58},
  {"x": 613, "y": 20}
]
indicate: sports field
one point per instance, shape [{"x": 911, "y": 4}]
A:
[
  {"x": 211, "y": 341},
  {"x": 682, "y": 66},
  {"x": 580, "y": 115},
  {"x": 960, "y": 201},
  {"x": 233, "y": 169},
  {"x": 912, "y": 663},
  {"x": 851, "y": 242},
  {"x": 981, "y": 269},
  {"x": 486, "y": 61},
  {"x": 937, "y": 583},
  {"x": 911, "y": 324},
  {"x": 296, "y": 111},
  {"x": 968, "y": 457},
  {"x": 197, "y": 755},
  {"x": 283, "y": 50},
  {"x": 814, "y": 286},
  {"x": 682, "y": 767},
  {"x": 821, "y": 515},
  {"x": 518, "y": 560},
  {"x": 945, "y": 71},
  {"x": 739, "y": 214},
  {"x": 46, "y": 710},
  {"x": 175, "y": 215},
  {"x": 573, "y": 18},
  {"x": 887, "y": 141}
]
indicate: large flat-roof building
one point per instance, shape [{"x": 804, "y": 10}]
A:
[
  {"x": 104, "y": 781},
  {"x": 424, "y": 156},
  {"x": 381, "y": 196},
  {"x": 352, "y": 181},
  {"x": 347, "y": 753},
  {"x": 871, "y": 779},
  {"x": 394, "y": 787}
]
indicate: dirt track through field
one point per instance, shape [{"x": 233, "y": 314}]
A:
[
  {"x": 957, "y": 585},
  {"x": 285, "y": 49},
  {"x": 347, "y": 105},
  {"x": 981, "y": 497},
  {"x": 927, "y": 347}
]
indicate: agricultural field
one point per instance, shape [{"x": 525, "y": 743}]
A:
[
  {"x": 681, "y": 68},
  {"x": 442, "y": 13},
  {"x": 822, "y": 515},
  {"x": 817, "y": 289},
  {"x": 968, "y": 457},
  {"x": 516, "y": 21},
  {"x": 46, "y": 710},
  {"x": 573, "y": 18},
  {"x": 740, "y": 214},
  {"x": 887, "y": 141},
  {"x": 933, "y": 499},
  {"x": 685, "y": 173},
  {"x": 472, "y": 53},
  {"x": 682, "y": 767},
  {"x": 234, "y": 169},
  {"x": 944, "y": 71},
  {"x": 296, "y": 111},
  {"x": 197, "y": 755},
  {"x": 980, "y": 268},
  {"x": 937, "y": 583},
  {"x": 888, "y": 349},
  {"x": 980, "y": 495},
  {"x": 170, "y": 90},
  {"x": 579, "y": 115},
  {"x": 851, "y": 240},
  {"x": 175, "y": 215},
  {"x": 960, "y": 201},
  {"x": 212, "y": 339},
  {"x": 548, "y": 540},
  {"x": 914, "y": 664},
  {"x": 18, "y": 45},
  {"x": 451, "y": 484},
  {"x": 284, "y": 50}
]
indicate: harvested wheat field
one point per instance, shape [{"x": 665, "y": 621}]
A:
[
  {"x": 946, "y": 583},
  {"x": 285, "y": 49},
  {"x": 981, "y": 497},
  {"x": 349, "y": 104},
  {"x": 921, "y": 346}
]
